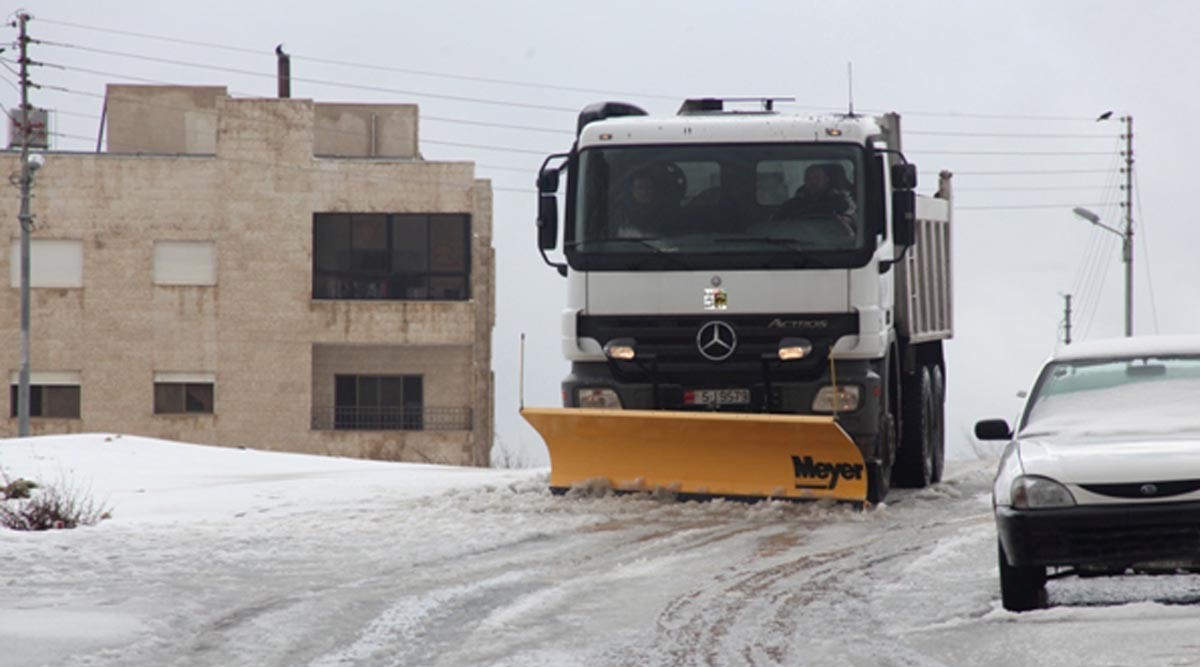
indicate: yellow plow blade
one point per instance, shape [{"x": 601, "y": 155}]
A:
[{"x": 702, "y": 453}]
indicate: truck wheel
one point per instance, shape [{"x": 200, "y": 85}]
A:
[
  {"x": 1022, "y": 587},
  {"x": 879, "y": 474},
  {"x": 914, "y": 459},
  {"x": 939, "y": 421}
]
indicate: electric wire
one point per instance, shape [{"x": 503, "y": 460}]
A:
[
  {"x": 317, "y": 82},
  {"x": 1097, "y": 266},
  {"x": 366, "y": 66},
  {"x": 267, "y": 122},
  {"x": 1145, "y": 245},
  {"x": 478, "y": 79}
]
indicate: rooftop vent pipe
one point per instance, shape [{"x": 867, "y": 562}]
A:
[{"x": 284, "y": 72}]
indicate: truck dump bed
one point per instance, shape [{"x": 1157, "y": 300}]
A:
[{"x": 923, "y": 296}]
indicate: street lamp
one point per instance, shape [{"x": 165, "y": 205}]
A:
[{"x": 1126, "y": 255}]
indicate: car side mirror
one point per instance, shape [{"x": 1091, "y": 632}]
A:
[
  {"x": 904, "y": 216},
  {"x": 993, "y": 429}
]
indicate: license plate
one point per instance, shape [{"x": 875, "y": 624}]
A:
[{"x": 716, "y": 397}]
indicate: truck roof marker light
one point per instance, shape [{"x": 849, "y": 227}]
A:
[
  {"x": 794, "y": 349},
  {"x": 833, "y": 132},
  {"x": 606, "y": 137},
  {"x": 621, "y": 349}
]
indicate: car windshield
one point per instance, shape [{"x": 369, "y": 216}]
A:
[
  {"x": 1148, "y": 395},
  {"x": 708, "y": 201}
]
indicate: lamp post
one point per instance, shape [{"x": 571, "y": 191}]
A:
[{"x": 1126, "y": 255}]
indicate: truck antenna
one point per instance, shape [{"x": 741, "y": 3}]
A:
[
  {"x": 521, "y": 372},
  {"x": 850, "y": 85}
]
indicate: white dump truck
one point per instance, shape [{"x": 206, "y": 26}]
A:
[{"x": 757, "y": 303}]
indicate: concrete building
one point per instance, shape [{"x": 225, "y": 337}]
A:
[{"x": 270, "y": 273}]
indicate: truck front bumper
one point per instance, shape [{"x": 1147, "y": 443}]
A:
[{"x": 785, "y": 396}]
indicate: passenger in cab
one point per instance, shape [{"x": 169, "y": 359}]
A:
[{"x": 823, "y": 195}]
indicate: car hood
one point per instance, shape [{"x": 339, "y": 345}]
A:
[{"x": 1113, "y": 460}]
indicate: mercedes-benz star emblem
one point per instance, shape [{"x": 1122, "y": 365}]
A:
[{"x": 716, "y": 341}]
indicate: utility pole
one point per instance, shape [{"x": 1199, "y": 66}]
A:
[
  {"x": 1128, "y": 245},
  {"x": 26, "y": 220},
  {"x": 1067, "y": 318}
]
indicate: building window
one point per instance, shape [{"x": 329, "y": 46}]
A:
[
  {"x": 184, "y": 393},
  {"x": 52, "y": 263},
  {"x": 185, "y": 263},
  {"x": 379, "y": 402},
  {"x": 49, "y": 400},
  {"x": 391, "y": 256},
  {"x": 175, "y": 398}
]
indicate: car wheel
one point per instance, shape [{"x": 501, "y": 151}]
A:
[
  {"x": 914, "y": 459},
  {"x": 1022, "y": 587},
  {"x": 939, "y": 421}
]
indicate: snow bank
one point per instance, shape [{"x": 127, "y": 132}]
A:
[{"x": 144, "y": 480}]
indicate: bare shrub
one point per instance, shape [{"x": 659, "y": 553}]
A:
[{"x": 49, "y": 508}]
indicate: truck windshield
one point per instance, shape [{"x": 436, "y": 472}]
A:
[{"x": 719, "y": 206}]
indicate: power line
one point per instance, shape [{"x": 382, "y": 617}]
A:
[
  {"x": 1146, "y": 250},
  {"x": 1029, "y": 172},
  {"x": 434, "y": 142},
  {"x": 367, "y": 66},
  {"x": 1053, "y": 188},
  {"x": 539, "y": 85},
  {"x": 1021, "y": 153},
  {"x": 321, "y": 82},
  {"x": 1023, "y": 206},
  {"x": 1005, "y": 135}
]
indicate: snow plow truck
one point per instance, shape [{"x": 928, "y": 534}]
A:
[{"x": 757, "y": 304}]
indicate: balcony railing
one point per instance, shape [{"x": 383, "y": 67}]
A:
[{"x": 392, "y": 419}]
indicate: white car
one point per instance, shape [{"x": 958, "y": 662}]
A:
[{"x": 1102, "y": 476}]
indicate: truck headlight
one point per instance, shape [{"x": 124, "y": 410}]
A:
[
  {"x": 843, "y": 398},
  {"x": 621, "y": 349},
  {"x": 597, "y": 397},
  {"x": 792, "y": 349},
  {"x": 1030, "y": 492}
]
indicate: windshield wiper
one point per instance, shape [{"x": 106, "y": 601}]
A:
[
  {"x": 647, "y": 241},
  {"x": 794, "y": 244}
]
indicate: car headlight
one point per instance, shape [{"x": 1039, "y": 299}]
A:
[
  {"x": 1030, "y": 492},
  {"x": 598, "y": 397},
  {"x": 843, "y": 398}
]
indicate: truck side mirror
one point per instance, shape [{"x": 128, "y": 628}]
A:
[
  {"x": 904, "y": 176},
  {"x": 904, "y": 217},
  {"x": 547, "y": 211}
]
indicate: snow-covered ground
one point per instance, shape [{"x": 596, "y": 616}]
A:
[{"x": 218, "y": 556}]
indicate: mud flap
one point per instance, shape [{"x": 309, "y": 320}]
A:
[{"x": 752, "y": 456}]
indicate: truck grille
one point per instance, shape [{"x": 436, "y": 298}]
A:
[{"x": 672, "y": 340}]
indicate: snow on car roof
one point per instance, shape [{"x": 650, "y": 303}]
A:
[{"x": 1135, "y": 346}]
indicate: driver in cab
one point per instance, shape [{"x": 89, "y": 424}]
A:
[
  {"x": 647, "y": 207},
  {"x": 821, "y": 196}
]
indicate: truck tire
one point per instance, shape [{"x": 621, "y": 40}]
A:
[
  {"x": 879, "y": 473},
  {"x": 939, "y": 420},
  {"x": 915, "y": 458},
  {"x": 1022, "y": 587}
]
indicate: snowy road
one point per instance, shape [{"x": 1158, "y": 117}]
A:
[{"x": 495, "y": 571}]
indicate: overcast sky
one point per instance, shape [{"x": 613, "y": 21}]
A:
[{"x": 980, "y": 86}]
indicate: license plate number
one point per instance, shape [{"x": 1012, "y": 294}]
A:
[{"x": 716, "y": 397}]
